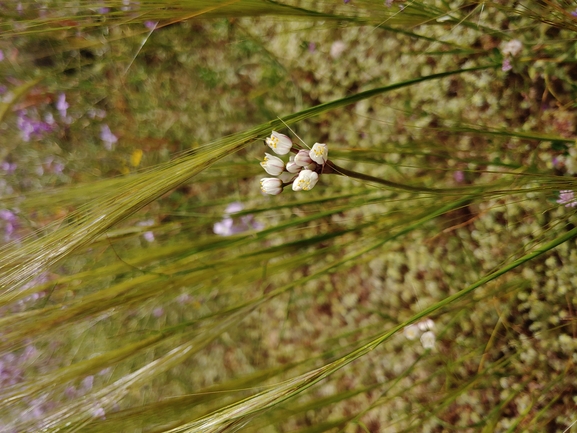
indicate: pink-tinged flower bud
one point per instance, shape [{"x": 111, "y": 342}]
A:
[
  {"x": 279, "y": 143},
  {"x": 319, "y": 153},
  {"x": 303, "y": 158},
  {"x": 271, "y": 185},
  {"x": 292, "y": 166},
  {"x": 273, "y": 165},
  {"x": 306, "y": 180}
]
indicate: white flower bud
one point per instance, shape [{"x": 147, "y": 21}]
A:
[
  {"x": 279, "y": 143},
  {"x": 411, "y": 332},
  {"x": 513, "y": 47},
  {"x": 426, "y": 325},
  {"x": 319, "y": 153},
  {"x": 273, "y": 165},
  {"x": 428, "y": 340},
  {"x": 303, "y": 158},
  {"x": 292, "y": 166},
  {"x": 271, "y": 185},
  {"x": 306, "y": 181}
]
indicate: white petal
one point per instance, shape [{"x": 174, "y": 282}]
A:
[
  {"x": 319, "y": 153},
  {"x": 273, "y": 165},
  {"x": 279, "y": 143},
  {"x": 428, "y": 340},
  {"x": 271, "y": 185}
]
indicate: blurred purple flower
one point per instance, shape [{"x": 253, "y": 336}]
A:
[
  {"x": 229, "y": 226},
  {"x": 62, "y": 105},
  {"x": 7, "y": 215},
  {"x": 10, "y": 224},
  {"x": 312, "y": 47},
  {"x": 567, "y": 197},
  {"x": 234, "y": 207},
  {"x": 8, "y": 167},
  {"x": 1, "y": 55},
  {"x": 103, "y": 10},
  {"x": 99, "y": 412},
  {"x": 148, "y": 235},
  {"x": 107, "y": 137},
  {"x": 87, "y": 383},
  {"x": 158, "y": 312},
  {"x": 506, "y": 65},
  {"x": 224, "y": 227},
  {"x": 574, "y": 13},
  {"x": 150, "y": 25},
  {"x": 459, "y": 176},
  {"x": 3, "y": 89},
  {"x": 30, "y": 127}
]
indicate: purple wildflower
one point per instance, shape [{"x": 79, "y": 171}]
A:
[
  {"x": 234, "y": 207},
  {"x": 312, "y": 47},
  {"x": 10, "y": 224},
  {"x": 107, "y": 137},
  {"x": 574, "y": 13},
  {"x": 8, "y": 167},
  {"x": 87, "y": 383},
  {"x": 62, "y": 105},
  {"x": 1, "y": 55},
  {"x": 32, "y": 128},
  {"x": 506, "y": 65},
  {"x": 150, "y": 25},
  {"x": 99, "y": 412},
  {"x": 229, "y": 226},
  {"x": 224, "y": 227},
  {"x": 459, "y": 176},
  {"x": 103, "y": 10},
  {"x": 567, "y": 197}
]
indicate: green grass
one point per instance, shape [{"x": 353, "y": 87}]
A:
[{"x": 122, "y": 310}]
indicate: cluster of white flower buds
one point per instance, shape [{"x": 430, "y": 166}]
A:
[
  {"x": 424, "y": 329},
  {"x": 302, "y": 170}
]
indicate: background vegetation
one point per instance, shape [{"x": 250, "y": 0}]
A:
[{"x": 133, "y": 299}]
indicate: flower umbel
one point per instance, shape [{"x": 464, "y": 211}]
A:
[
  {"x": 302, "y": 170},
  {"x": 279, "y": 143},
  {"x": 426, "y": 328}
]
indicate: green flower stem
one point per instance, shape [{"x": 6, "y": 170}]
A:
[{"x": 331, "y": 168}]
